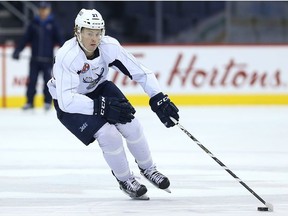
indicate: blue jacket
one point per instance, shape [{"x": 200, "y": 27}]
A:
[{"x": 42, "y": 35}]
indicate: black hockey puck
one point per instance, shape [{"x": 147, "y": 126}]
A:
[{"x": 263, "y": 209}]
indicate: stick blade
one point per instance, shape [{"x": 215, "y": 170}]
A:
[{"x": 270, "y": 206}]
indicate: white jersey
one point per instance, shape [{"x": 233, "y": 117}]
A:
[{"x": 74, "y": 75}]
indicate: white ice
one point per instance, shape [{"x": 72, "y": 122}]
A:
[{"x": 46, "y": 171}]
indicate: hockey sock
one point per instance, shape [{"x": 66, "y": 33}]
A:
[
  {"x": 136, "y": 143},
  {"x": 111, "y": 143}
]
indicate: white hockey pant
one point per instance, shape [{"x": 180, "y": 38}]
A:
[{"x": 110, "y": 140}]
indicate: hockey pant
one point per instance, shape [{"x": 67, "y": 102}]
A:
[{"x": 109, "y": 136}]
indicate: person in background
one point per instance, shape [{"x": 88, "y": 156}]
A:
[
  {"x": 93, "y": 108},
  {"x": 42, "y": 34}
]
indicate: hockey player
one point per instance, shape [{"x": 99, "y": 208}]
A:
[
  {"x": 43, "y": 34},
  {"x": 91, "y": 107}
]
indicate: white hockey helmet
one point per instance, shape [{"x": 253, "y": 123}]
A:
[{"x": 91, "y": 19}]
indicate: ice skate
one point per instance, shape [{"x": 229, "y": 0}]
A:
[
  {"x": 47, "y": 107},
  {"x": 133, "y": 189},
  {"x": 156, "y": 178},
  {"x": 27, "y": 107}
]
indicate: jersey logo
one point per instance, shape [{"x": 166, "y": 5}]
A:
[
  {"x": 85, "y": 68},
  {"x": 95, "y": 68},
  {"x": 93, "y": 82}
]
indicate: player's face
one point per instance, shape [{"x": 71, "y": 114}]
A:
[
  {"x": 44, "y": 13},
  {"x": 91, "y": 38}
]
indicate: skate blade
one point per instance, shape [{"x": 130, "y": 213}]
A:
[
  {"x": 132, "y": 196},
  {"x": 143, "y": 197},
  {"x": 167, "y": 190}
]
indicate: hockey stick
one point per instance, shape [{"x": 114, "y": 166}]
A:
[{"x": 268, "y": 205}]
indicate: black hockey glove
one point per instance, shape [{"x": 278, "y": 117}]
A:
[
  {"x": 115, "y": 110},
  {"x": 164, "y": 109}
]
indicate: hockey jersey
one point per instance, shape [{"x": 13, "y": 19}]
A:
[{"x": 74, "y": 75}]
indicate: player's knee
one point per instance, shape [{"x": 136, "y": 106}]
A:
[
  {"x": 108, "y": 137},
  {"x": 132, "y": 131}
]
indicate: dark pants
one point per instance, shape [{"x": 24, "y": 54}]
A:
[
  {"x": 85, "y": 126},
  {"x": 37, "y": 67}
]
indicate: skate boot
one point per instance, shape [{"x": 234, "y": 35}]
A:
[
  {"x": 133, "y": 188},
  {"x": 27, "y": 106},
  {"x": 47, "y": 107},
  {"x": 156, "y": 178}
]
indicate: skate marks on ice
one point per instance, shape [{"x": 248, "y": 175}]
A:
[
  {"x": 45, "y": 171},
  {"x": 114, "y": 205},
  {"x": 87, "y": 191}
]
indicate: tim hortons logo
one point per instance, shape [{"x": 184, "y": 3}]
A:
[{"x": 231, "y": 74}]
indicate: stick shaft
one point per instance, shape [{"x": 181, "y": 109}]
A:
[{"x": 220, "y": 163}]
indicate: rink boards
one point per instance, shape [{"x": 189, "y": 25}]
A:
[{"x": 190, "y": 74}]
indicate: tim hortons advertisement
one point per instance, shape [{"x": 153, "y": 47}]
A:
[
  {"x": 191, "y": 74},
  {"x": 215, "y": 69}
]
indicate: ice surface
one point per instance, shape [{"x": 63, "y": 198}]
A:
[{"x": 46, "y": 171}]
